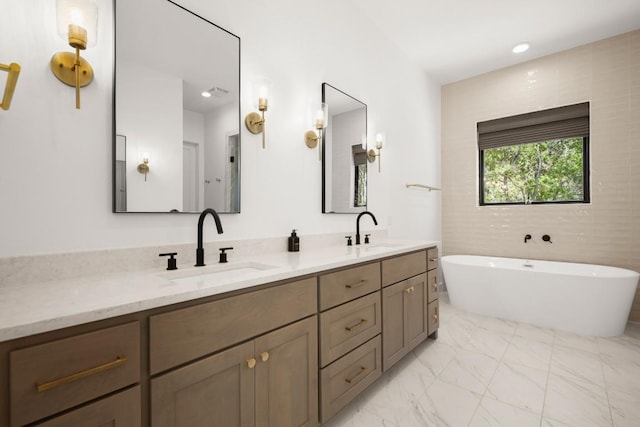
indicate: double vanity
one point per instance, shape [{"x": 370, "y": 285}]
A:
[{"x": 280, "y": 339}]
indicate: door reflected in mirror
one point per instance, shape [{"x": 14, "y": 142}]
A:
[
  {"x": 177, "y": 104},
  {"x": 344, "y": 158}
]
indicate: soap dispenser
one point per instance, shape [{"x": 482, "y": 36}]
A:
[{"x": 294, "y": 242}]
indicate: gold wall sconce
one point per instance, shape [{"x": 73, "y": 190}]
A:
[
  {"x": 143, "y": 166},
  {"x": 261, "y": 91},
  {"x": 371, "y": 154},
  {"x": 78, "y": 24},
  {"x": 10, "y": 86},
  {"x": 319, "y": 119}
]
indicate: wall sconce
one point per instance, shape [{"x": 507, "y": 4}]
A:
[
  {"x": 10, "y": 86},
  {"x": 319, "y": 119},
  {"x": 78, "y": 24},
  {"x": 371, "y": 154},
  {"x": 143, "y": 166},
  {"x": 261, "y": 91}
]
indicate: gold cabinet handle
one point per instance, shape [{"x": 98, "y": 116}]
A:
[
  {"x": 433, "y": 259},
  {"x": 264, "y": 356},
  {"x": 353, "y": 378},
  {"x": 435, "y": 316},
  {"x": 251, "y": 363},
  {"x": 355, "y": 325},
  {"x": 356, "y": 285},
  {"x": 410, "y": 289},
  {"x": 120, "y": 360},
  {"x": 435, "y": 286}
]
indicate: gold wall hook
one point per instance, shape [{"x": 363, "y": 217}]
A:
[{"x": 10, "y": 86}]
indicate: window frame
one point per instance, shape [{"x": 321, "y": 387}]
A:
[{"x": 586, "y": 187}]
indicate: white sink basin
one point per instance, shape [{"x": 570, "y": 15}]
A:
[{"x": 218, "y": 274}]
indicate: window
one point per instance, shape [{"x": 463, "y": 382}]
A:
[
  {"x": 540, "y": 157},
  {"x": 360, "y": 175}
]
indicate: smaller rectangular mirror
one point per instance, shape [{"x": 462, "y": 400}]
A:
[{"x": 344, "y": 159}]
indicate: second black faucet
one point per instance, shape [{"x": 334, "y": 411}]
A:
[{"x": 358, "y": 224}]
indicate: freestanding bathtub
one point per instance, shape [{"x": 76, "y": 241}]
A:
[{"x": 586, "y": 299}]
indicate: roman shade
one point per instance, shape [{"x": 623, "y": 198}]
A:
[{"x": 555, "y": 123}]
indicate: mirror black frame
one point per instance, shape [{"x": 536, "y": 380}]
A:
[
  {"x": 324, "y": 144},
  {"x": 113, "y": 121}
]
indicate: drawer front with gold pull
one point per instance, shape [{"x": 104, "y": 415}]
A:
[
  {"x": 432, "y": 258},
  {"x": 346, "y": 285},
  {"x": 346, "y": 327},
  {"x": 348, "y": 376},
  {"x": 51, "y": 377},
  {"x": 434, "y": 317},
  {"x": 432, "y": 285},
  {"x": 402, "y": 267}
]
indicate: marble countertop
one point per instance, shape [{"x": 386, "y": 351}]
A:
[{"x": 29, "y": 309}]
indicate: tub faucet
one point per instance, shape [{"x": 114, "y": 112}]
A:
[
  {"x": 200, "y": 250},
  {"x": 358, "y": 224},
  {"x": 527, "y": 237}
]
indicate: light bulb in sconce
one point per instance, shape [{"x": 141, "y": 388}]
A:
[
  {"x": 77, "y": 23},
  {"x": 261, "y": 92},
  {"x": 143, "y": 166},
  {"x": 319, "y": 114},
  {"x": 372, "y": 154}
]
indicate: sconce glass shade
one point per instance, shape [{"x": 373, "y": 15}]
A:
[
  {"x": 77, "y": 22},
  {"x": 371, "y": 154},
  {"x": 380, "y": 137},
  {"x": 261, "y": 93}
]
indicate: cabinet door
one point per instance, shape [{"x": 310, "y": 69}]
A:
[
  {"x": 121, "y": 409},
  {"x": 394, "y": 322},
  {"x": 218, "y": 390},
  {"x": 417, "y": 313},
  {"x": 287, "y": 376}
]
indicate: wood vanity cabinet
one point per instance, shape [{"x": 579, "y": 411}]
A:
[
  {"x": 405, "y": 305},
  {"x": 269, "y": 381},
  {"x": 48, "y": 378},
  {"x": 263, "y": 379},
  {"x": 350, "y": 327},
  {"x": 432, "y": 294}
]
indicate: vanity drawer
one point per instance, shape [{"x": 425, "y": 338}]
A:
[
  {"x": 402, "y": 267},
  {"x": 120, "y": 409},
  {"x": 346, "y": 285},
  {"x": 182, "y": 335},
  {"x": 432, "y": 258},
  {"x": 434, "y": 317},
  {"x": 346, "y": 327},
  {"x": 48, "y": 378},
  {"x": 432, "y": 285},
  {"x": 346, "y": 378}
]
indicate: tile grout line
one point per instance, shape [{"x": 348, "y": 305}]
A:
[
  {"x": 604, "y": 381},
  {"x": 546, "y": 385}
]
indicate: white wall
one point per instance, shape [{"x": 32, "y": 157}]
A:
[
  {"x": 56, "y": 162},
  {"x": 220, "y": 123}
]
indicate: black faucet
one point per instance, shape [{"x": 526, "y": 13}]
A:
[
  {"x": 358, "y": 224},
  {"x": 200, "y": 250},
  {"x": 527, "y": 237}
]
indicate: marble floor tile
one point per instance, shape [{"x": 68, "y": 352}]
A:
[
  {"x": 625, "y": 408},
  {"x": 529, "y": 352},
  {"x": 519, "y": 385},
  {"x": 435, "y": 357},
  {"x": 622, "y": 374},
  {"x": 448, "y": 405},
  {"x": 470, "y": 370},
  {"x": 579, "y": 342},
  {"x": 493, "y": 413},
  {"x": 536, "y": 333},
  {"x": 576, "y": 402},
  {"x": 578, "y": 364},
  {"x": 491, "y": 343},
  {"x": 502, "y": 326},
  {"x": 547, "y": 422}
]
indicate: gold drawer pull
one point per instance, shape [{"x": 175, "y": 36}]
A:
[
  {"x": 356, "y": 285},
  {"x": 264, "y": 356},
  {"x": 435, "y": 286},
  {"x": 433, "y": 259},
  {"x": 353, "y": 378},
  {"x": 435, "y": 317},
  {"x": 251, "y": 363},
  {"x": 355, "y": 325},
  {"x": 410, "y": 289},
  {"x": 120, "y": 360}
]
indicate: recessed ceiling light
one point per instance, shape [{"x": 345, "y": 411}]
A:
[
  {"x": 520, "y": 47},
  {"x": 206, "y": 94}
]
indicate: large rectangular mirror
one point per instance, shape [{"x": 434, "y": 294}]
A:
[
  {"x": 344, "y": 160},
  {"x": 177, "y": 111}
]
